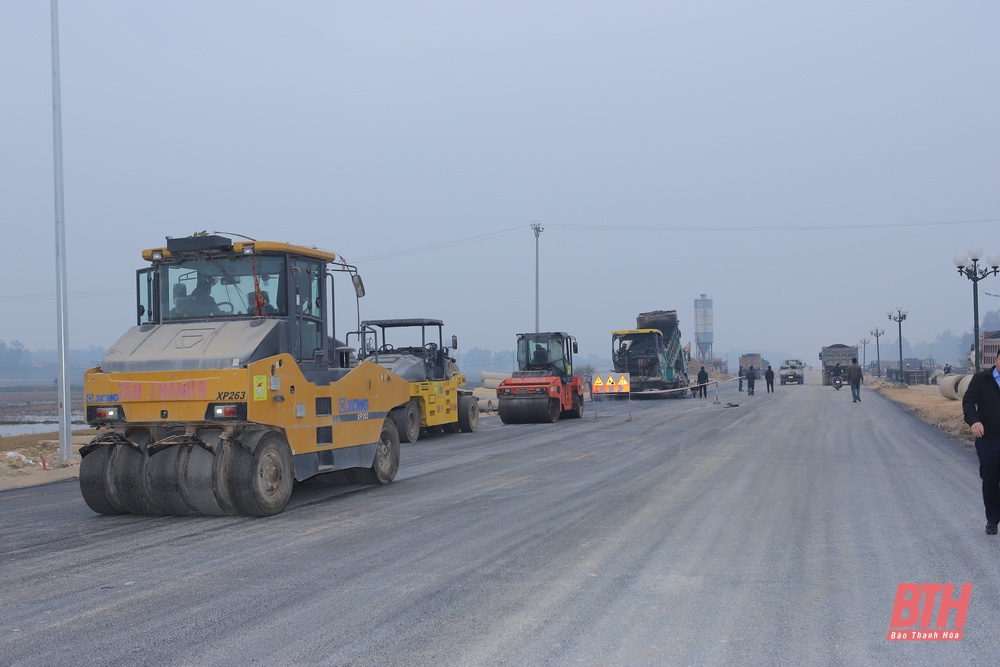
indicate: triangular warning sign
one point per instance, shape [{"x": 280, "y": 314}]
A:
[{"x": 611, "y": 381}]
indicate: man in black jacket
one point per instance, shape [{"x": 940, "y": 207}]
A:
[
  {"x": 981, "y": 408},
  {"x": 702, "y": 383},
  {"x": 751, "y": 378}
]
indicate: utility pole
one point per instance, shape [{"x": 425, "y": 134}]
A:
[
  {"x": 65, "y": 404},
  {"x": 538, "y": 229}
]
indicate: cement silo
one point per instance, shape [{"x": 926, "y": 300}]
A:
[{"x": 704, "y": 328}]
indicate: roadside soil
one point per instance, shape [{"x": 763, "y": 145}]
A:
[
  {"x": 29, "y": 460},
  {"x": 928, "y": 405}
]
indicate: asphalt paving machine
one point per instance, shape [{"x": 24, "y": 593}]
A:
[{"x": 652, "y": 355}]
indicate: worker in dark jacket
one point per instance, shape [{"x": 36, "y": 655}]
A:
[
  {"x": 751, "y": 378},
  {"x": 981, "y": 408},
  {"x": 855, "y": 377},
  {"x": 702, "y": 383},
  {"x": 769, "y": 379}
]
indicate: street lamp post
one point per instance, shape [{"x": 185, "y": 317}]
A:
[
  {"x": 863, "y": 343},
  {"x": 975, "y": 274},
  {"x": 538, "y": 229},
  {"x": 898, "y": 318},
  {"x": 878, "y": 357}
]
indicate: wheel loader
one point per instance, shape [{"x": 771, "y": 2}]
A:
[
  {"x": 543, "y": 388},
  {"x": 417, "y": 353},
  {"x": 231, "y": 386}
]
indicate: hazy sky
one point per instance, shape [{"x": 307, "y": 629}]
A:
[{"x": 805, "y": 165}]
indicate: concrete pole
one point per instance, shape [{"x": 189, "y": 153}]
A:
[
  {"x": 65, "y": 404},
  {"x": 537, "y": 227}
]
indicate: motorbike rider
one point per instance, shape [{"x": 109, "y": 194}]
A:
[{"x": 837, "y": 376}]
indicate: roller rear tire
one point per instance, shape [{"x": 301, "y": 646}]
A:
[
  {"x": 261, "y": 483},
  {"x": 576, "y": 412},
  {"x": 127, "y": 470},
  {"x": 166, "y": 472},
  {"x": 386, "y": 462},
  {"x": 468, "y": 414},
  {"x": 407, "y": 421},
  {"x": 94, "y": 483}
]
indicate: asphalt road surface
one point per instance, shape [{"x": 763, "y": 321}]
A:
[{"x": 661, "y": 532}]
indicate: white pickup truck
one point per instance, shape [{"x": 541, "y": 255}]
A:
[{"x": 792, "y": 370}]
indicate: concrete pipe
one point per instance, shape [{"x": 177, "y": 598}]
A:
[
  {"x": 487, "y": 399},
  {"x": 948, "y": 385},
  {"x": 963, "y": 384}
]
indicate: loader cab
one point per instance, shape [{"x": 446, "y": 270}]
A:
[
  {"x": 551, "y": 351},
  {"x": 212, "y": 283}
]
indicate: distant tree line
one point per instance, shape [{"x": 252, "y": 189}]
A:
[{"x": 19, "y": 364}]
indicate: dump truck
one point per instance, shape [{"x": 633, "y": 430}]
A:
[
  {"x": 543, "y": 387},
  {"x": 231, "y": 386},
  {"x": 414, "y": 348},
  {"x": 792, "y": 370},
  {"x": 833, "y": 355},
  {"x": 652, "y": 354},
  {"x": 755, "y": 360}
]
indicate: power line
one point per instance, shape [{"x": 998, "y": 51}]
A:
[
  {"x": 445, "y": 244},
  {"x": 76, "y": 295},
  {"x": 767, "y": 228},
  {"x": 609, "y": 227}
]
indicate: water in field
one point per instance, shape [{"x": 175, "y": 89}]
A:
[
  {"x": 27, "y": 412},
  {"x": 49, "y": 425}
]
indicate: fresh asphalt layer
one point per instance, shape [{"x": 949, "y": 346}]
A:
[{"x": 648, "y": 532}]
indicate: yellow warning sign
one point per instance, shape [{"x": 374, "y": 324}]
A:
[
  {"x": 260, "y": 387},
  {"x": 609, "y": 385}
]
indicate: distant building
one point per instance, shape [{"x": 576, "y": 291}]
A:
[{"x": 990, "y": 346}]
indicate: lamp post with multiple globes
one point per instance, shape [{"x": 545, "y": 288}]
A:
[
  {"x": 878, "y": 357},
  {"x": 975, "y": 273},
  {"x": 898, "y": 318}
]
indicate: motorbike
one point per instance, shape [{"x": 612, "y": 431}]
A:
[{"x": 837, "y": 382}]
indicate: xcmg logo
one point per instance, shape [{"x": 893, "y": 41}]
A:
[
  {"x": 914, "y": 607},
  {"x": 348, "y": 405}
]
